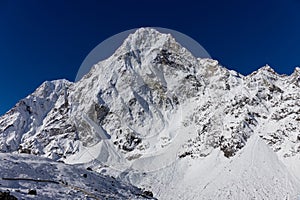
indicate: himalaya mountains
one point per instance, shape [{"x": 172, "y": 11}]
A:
[{"x": 154, "y": 116}]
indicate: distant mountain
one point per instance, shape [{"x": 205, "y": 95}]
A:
[{"x": 157, "y": 117}]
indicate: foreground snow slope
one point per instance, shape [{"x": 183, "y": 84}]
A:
[
  {"x": 54, "y": 180},
  {"x": 158, "y": 117}
]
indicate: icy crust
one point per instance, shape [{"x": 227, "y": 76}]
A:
[{"x": 152, "y": 106}]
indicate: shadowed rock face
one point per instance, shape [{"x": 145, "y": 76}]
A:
[{"x": 7, "y": 196}]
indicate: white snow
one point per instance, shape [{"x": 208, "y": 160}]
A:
[{"x": 54, "y": 180}]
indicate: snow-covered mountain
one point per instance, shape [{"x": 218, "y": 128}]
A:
[{"x": 183, "y": 127}]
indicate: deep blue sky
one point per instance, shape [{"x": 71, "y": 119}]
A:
[{"x": 44, "y": 41}]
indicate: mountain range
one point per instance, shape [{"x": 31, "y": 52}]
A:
[{"x": 163, "y": 124}]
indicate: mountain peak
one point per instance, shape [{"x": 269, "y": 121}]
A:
[
  {"x": 296, "y": 71},
  {"x": 265, "y": 71},
  {"x": 148, "y": 35},
  {"x": 147, "y": 32},
  {"x": 267, "y": 68},
  {"x": 144, "y": 39}
]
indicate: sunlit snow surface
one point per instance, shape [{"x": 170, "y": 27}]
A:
[{"x": 54, "y": 180}]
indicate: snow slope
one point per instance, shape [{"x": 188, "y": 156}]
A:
[{"x": 54, "y": 180}]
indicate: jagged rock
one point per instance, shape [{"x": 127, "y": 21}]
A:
[
  {"x": 32, "y": 192},
  {"x": 7, "y": 196}
]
